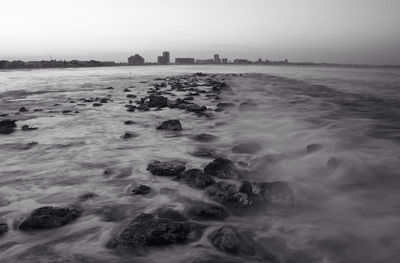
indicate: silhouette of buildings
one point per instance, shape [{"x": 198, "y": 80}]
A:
[
  {"x": 224, "y": 61},
  {"x": 217, "y": 60},
  {"x": 204, "y": 61},
  {"x": 164, "y": 59},
  {"x": 182, "y": 61},
  {"x": 136, "y": 60}
]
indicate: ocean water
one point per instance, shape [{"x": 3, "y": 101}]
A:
[{"x": 347, "y": 198}]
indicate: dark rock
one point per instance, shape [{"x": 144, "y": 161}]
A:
[
  {"x": 222, "y": 168},
  {"x": 143, "y": 108},
  {"x": 36, "y": 110},
  {"x": 170, "y": 213},
  {"x": 249, "y": 147},
  {"x": 170, "y": 125},
  {"x": 248, "y": 105},
  {"x": 205, "y": 152},
  {"x": 130, "y": 108},
  {"x": 127, "y": 90},
  {"x": 48, "y": 217},
  {"x": 86, "y": 196},
  {"x": 332, "y": 163},
  {"x": 231, "y": 241},
  {"x": 188, "y": 98},
  {"x": 148, "y": 231},
  {"x": 225, "y": 105},
  {"x": 104, "y": 100},
  {"x": 129, "y": 122},
  {"x": 28, "y": 128},
  {"x": 314, "y": 147},
  {"x": 110, "y": 88},
  {"x": 23, "y": 109},
  {"x": 137, "y": 189},
  {"x": 207, "y": 211},
  {"x": 195, "y": 108},
  {"x": 7, "y": 126},
  {"x": 129, "y": 135},
  {"x": 97, "y": 104},
  {"x": 4, "y": 115},
  {"x": 167, "y": 168},
  {"x": 204, "y": 137},
  {"x": 158, "y": 101},
  {"x": 222, "y": 192},
  {"x": 243, "y": 164},
  {"x": 3, "y": 228},
  {"x": 196, "y": 178},
  {"x": 131, "y": 96}
]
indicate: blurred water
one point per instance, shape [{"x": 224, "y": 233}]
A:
[{"x": 347, "y": 193}]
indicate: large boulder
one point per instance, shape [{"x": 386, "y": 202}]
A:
[
  {"x": 208, "y": 211},
  {"x": 48, "y": 217},
  {"x": 222, "y": 168},
  {"x": 232, "y": 241},
  {"x": 167, "y": 168},
  {"x": 7, "y": 126},
  {"x": 170, "y": 125},
  {"x": 157, "y": 101},
  {"x": 148, "y": 231},
  {"x": 196, "y": 178}
]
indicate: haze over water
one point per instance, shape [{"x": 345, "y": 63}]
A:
[{"x": 346, "y": 193}]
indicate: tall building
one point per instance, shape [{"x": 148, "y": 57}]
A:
[
  {"x": 136, "y": 60},
  {"x": 164, "y": 59},
  {"x": 217, "y": 60},
  {"x": 224, "y": 61}
]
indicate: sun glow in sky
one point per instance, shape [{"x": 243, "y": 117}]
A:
[{"x": 359, "y": 31}]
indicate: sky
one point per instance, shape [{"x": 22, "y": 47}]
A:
[{"x": 337, "y": 31}]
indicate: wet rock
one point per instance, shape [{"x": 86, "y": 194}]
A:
[
  {"x": 104, "y": 100},
  {"x": 222, "y": 168},
  {"x": 205, "y": 152},
  {"x": 4, "y": 115},
  {"x": 222, "y": 192},
  {"x": 23, "y": 109},
  {"x": 97, "y": 104},
  {"x": 148, "y": 231},
  {"x": 243, "y": 164},
  {"x": 143, "y": 108},
  {"x": 222, "y": 88},
  {"x": 195, "y": 108},
  {"x": 188, "y": 98},
  {"x": 314, "y": 147},
  {"x": 37, "y": 110},
  {"x": 207, "y": 211},
  {"x": 246, "y": 106},
  {"x": 167, "y": 168},
  {"x": 196, "y": 178},
  {"x": 66, "y": 111},
  {"x": 170, "y": 213},
  {"x": 157, "y": 101},
  {"x": 7, "y": 126},
  {"x": 248, "y": 147},
  {"x": 129, "y": 135},
  {"x": 137, "y": 189},
  {"x": 3, "y": 228},
  {"x": 170, "y": 125},
  {"x": 204, "y": 137},
  {"x": 225, "y": 105},
  {"x": 110, "y": 88},
  {"x": 232, "y": 241},
  {"x": 130, "y": 108},
  {"x": 127, "y": 90},
  {"x": 129, "y": 122},
  {"x": 131, "y": 96},
  {"x": 28, "y": 128},
  {"x": 48, "y": 217},
  {"x": 332, "y": 163},
  {"x": 86, "y": 196}
]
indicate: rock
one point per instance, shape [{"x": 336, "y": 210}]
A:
[
  {"x": 207, "y": 211},
  {"x": 248, "y": 147},
  {"x": 248, "y": 105},
  {"x": 129, "y": 135},
  {"x": 28, "y": 128},
  {"x": 170, "y": 125},
  {"x": 48, "y": 217},
  {"x": 129, "y": 122},
  {"x": 195, "y": 108},
  {"x": 143, "y": 108},
  {"x": 37, "y": 110},
  {"x": 167, "y": 168},
  {"x": 104, "y": 100},
  {"x": 205, "y": 152},
  {"x": 127, "y": 90},
  {"x": 137, "y": 189},
  {"x": 131, "y": 96},
  {"x": 3, "y": 228},
  {"x": 130, "y": 108},
  {"x": 314, "y": 147},
  {"x": 204, "y": 137},
  {"x": 148, "y": 231},
  {"x": 158, "y": 101},
  {"x": 222, "y": 168},
  {"x": 7, "y": 126},
  {"x": 110, "y": 88},
  {"x": 170, "y": 213},
  {"x": 66, "y": 111},
  {"x": 222, "y": 192},
  {"x": 196, "y": 178},
  {"x": 231, "y": 241},
  {"x": 23, "y": 109},
  {"x": 86, "y": 196},
  {"x": 97, "y": 104},
  {"x": 225, "y": 105}
]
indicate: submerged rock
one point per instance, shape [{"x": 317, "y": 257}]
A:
[
  {"x": 3, "y": 228},
  {"x": 207, "y": 211},
  {"x": 23, "y": 109},
  {"x": 314, "y": 147},
  {"x": 129, "y": 135},
  {"x": 222, "y": 168},
  {"x": 196, "y": 178},
  {"x": 167, "y": 168},
  {"x": 7, "y": 126},
  {"x": 148, "y": 231},
  {"x": 222, "y": 191},
  {"x": 48, "y": 217},
  {"x": 232, "y": 241},
  {"x": 28, "y": 128},
  {"x": 129, "y": 122},
  {"x": 170, "y": 213},
  {"x": 170, "y": 125},
  {"x": 248, "y": 147},
  {"x": 137, "y": 189},
  {"x": 204, "y": 137}
]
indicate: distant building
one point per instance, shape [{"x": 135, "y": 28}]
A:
[
  {"x": 217, "y": 60},
  {"x": 136, "y": 60},
  {"x": 241, "y": 61},
  {"x": 164, "y": 59},
  {"x": 224, "y": 61},
  {"x": 184, "y": 61},
  {"x": 204, "y": 61}
]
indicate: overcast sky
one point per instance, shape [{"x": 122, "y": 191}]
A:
[{"x": 359, "y": 31}]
